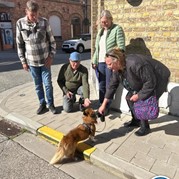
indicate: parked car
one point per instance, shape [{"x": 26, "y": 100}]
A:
[{"x": 80, "y": 43}]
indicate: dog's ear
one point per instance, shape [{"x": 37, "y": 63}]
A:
[{"x": 85, "y": 113}]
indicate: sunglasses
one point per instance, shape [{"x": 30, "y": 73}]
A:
[{"x": 111, "y": 55}]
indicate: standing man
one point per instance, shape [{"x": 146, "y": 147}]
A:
[
  {"x": 36, "y": 48},
  {"x": 73, "y": 79}
]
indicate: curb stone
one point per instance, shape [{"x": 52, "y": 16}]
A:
[
  {"x": 55, "y": 136},
  {"x": 118, "y": 167}
]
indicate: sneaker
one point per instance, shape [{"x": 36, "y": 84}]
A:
[
  {"x": 52, "y": 109},
  {"x": 41, "y": 109}
]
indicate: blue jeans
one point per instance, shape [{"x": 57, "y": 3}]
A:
[
  {"x": 42, "y": 79},
  {"x": 68, "y": 102},
  {"x": 104, "y": 75}
]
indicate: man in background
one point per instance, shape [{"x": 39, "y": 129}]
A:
[{"x": 36, "y": 48}]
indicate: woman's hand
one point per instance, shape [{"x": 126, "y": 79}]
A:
[
  {"x": 94, "y": 66},
  {"x": 103, "y": 106},
  {"x": 134, "y": 97},
  {"x": 101, "y": 109}
]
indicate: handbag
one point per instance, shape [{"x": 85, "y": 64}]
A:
[{"x": 147, "y": 109}]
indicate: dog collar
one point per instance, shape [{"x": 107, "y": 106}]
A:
[{"x": 88, "y": 127}]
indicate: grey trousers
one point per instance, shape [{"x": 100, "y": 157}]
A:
[{"x": 68, "y": 102}]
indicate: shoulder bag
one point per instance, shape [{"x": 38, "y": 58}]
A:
[{"x": 147, "y": 109}]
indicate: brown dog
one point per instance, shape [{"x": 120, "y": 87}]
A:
[{"x": 68, "y": 144}]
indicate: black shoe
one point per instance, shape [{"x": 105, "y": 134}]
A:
[
  {"x": 41, "y": 109},
  {"x": 52, "y": 109},
  {"x": 81, "y": 102},
  {"x": 81, "y": 107},
  {"x": 132, "y": 123},
  {"x": 142, "y": 131}
]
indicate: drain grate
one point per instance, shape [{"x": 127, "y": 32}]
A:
[{"x": 9, "y": 129}]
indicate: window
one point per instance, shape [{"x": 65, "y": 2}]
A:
[{"x": 75, "y": 0}]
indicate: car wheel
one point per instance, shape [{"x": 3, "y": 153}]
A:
[{"x": 80, "y": 49}]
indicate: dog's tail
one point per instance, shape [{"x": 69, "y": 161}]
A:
[{"x": 58, "y": 156}]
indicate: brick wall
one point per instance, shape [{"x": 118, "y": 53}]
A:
[
  {"x": 154, "y": 24},
  {"x": 64, "y": 9}
]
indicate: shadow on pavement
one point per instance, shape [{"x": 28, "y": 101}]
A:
[{"x": 167, "y": 123}]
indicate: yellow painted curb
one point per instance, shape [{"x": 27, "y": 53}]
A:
[
  {"x": 50, "y": 133},
  {"x": 56, "y": 136},
  {"x": 86, "y": 149}
]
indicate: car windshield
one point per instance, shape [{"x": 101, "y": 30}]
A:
[{"x": 83, "y": 36}]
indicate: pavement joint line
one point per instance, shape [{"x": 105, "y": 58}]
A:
[{"x": 55, "y": 136}]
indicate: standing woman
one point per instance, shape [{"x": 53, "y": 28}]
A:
[{"x": 109, "y": 36}]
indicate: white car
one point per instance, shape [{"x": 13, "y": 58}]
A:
[{"x": 81, "y": 43}]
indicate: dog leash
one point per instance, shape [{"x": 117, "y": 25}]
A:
[{"x": 103, "y": 127}]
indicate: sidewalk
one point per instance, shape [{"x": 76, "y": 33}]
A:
[{"x": 117, "y": 149}]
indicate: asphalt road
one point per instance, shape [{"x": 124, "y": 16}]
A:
[
  {"x": 19, "y": 163},
  {"x": 12, "y": 74}
]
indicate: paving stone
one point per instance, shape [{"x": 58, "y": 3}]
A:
[
  {"x": 143, "y": 161},
  {"x": 177, "y": 174},
  {"x": 173, "y": 146},
  {"x": 158, "y": 141},
  {"x": 102, "y": 144},
  {"x": 112, "y": 148},
  {"x": 174, "y": 160},
  {"x": 36, "y": 118},
  {"x": 64, "y": 129},
  {"x": 55, "y": 124},
  {"x": 159, "y": 154},
  {"x": 126, "y": 153},
  {"x": 161, "y": 168},
  {"x": 121, "y": 168},
  {"x": 140, "y": 146},
  {"x": 45, "y": 121},
  {"x": 120, "y": 138}
]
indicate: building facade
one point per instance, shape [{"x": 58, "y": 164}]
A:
[
  {"x": 67, "y": 18},
  {"x": 149, "y": 25}
]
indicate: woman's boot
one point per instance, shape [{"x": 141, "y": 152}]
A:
[
  {"x": 144, "y": 128},
  {"x": 133, "y": 123}
]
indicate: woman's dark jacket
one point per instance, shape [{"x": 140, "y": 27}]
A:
[{"x": 143, "y": 74}]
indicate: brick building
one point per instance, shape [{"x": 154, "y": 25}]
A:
[
  {"x": 150, "y": 26},
  {"x": 67, "y": 18}
]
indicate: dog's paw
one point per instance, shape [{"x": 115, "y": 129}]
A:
[
  {"x": 76, "y": 158},
  {"x": 92, "y": 139}
]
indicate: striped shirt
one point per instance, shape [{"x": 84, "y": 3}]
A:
[
  {"x": 35, "y": 41},
  {"x": 115, "y": 38}
]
